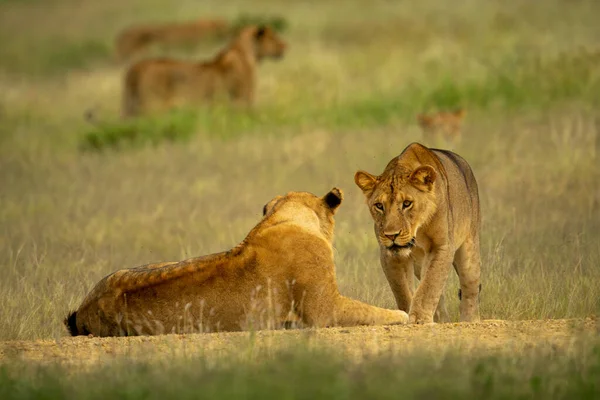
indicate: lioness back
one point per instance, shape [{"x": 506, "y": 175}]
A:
[
  {"x": 158, "y": 85},
  {"x": 463, "y": 184}
]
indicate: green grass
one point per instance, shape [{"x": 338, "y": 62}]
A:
[
  {"x": 277, "y": 23},
  {"x": 175, "y": 126},
  {"x": 308, "y": 374},
  {"x": 56, "y": 55},
  {"x": 521, "y": 83}
]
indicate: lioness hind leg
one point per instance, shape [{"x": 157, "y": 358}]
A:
[
  {"x": 441, "y": 312},
  {"x": 468, "y": 267}
]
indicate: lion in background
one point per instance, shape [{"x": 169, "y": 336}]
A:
[
  {"x": 425, "y": 208},
  {"x": 446, "y": 125},
  {"x": 161, "y": 84},
  {"x": 135, "y": 39},
  {"x": 282, "y": 271}
]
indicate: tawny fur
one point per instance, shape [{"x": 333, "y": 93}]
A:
[
  {"x": 428, "y": 197},
  {"x": 161, "y": 84},
  {"x": 446, "y": 125},
  {"x": 135, "y": 39},
  {"x": 282, "y": 271}
]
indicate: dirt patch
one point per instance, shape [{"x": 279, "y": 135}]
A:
[{"x": 359, "y": 342}]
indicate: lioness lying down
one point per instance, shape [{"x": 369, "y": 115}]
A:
[
  {"x": 136, "y": 38},
  {"x": 160, "y": 84},
  {"x": 282, "y": 271}
]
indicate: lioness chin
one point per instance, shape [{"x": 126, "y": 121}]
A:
[
  {"x": 425, "y": 207},
  {"x": 282, "y": 271}
]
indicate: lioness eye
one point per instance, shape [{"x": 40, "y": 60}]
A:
[
  {"x": 379, "y": 206},
  {"x": 407, "y": 203}
]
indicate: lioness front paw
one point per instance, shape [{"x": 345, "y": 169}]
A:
[
  {"x": 401, "y": 317},
  {"x": 421, "y": 320}
]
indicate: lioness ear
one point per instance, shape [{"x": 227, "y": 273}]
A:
[
  {"x": 270, "y": 205},
  {"x": 260, "y": 32},
  {"x": 365, "y": 181},
  {"x": 423, "y": 178},
  {"x": 334, "y": 198}
]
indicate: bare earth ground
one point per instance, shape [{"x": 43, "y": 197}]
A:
[{"x": 356, "y": 342}]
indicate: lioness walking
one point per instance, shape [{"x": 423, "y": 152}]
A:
[
  {"x": 160, "y": 84},
  {"x": 425, "y": 206},
  {"x": 282, "y": 271}
]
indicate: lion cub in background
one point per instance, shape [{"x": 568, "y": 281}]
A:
[
  {"x": 161, "y": 84},
  {"x": 446, "y": 125},
  {"x": 282, "y": 271}
]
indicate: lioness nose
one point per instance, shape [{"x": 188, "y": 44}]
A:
[{"x": 392, "y": 236}]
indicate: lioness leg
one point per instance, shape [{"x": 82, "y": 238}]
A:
[
  {"x": 429, "y": 292},
  {"x": 400, "y": 276},
  {"x": 350, "y": 312},
  {"x": 420, "y": 264},
  {"x": 322, "y": 306},
  {"x": 441, "y": 312},
  {"x": 468, "y": 267},
  {"x": 242, "y": 94}
]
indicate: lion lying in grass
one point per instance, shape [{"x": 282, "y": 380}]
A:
[
  {"x": 282, "y": 271},
  {"x": 160, "y": 84},
  {"x": 135, "y": 39}
]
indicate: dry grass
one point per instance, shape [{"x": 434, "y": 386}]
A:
[{"x": 68, "y": 218}]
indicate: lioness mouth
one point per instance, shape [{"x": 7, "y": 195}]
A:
[{"x": 408, "y": 245}]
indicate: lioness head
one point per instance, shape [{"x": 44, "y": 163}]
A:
[
  {"x": 267, "y": 43},
  {"x": 308, "y": 209},
  {"x": 401, "y": 200}
]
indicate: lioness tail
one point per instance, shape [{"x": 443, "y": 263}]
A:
[{"x": 71, "y": 323}]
